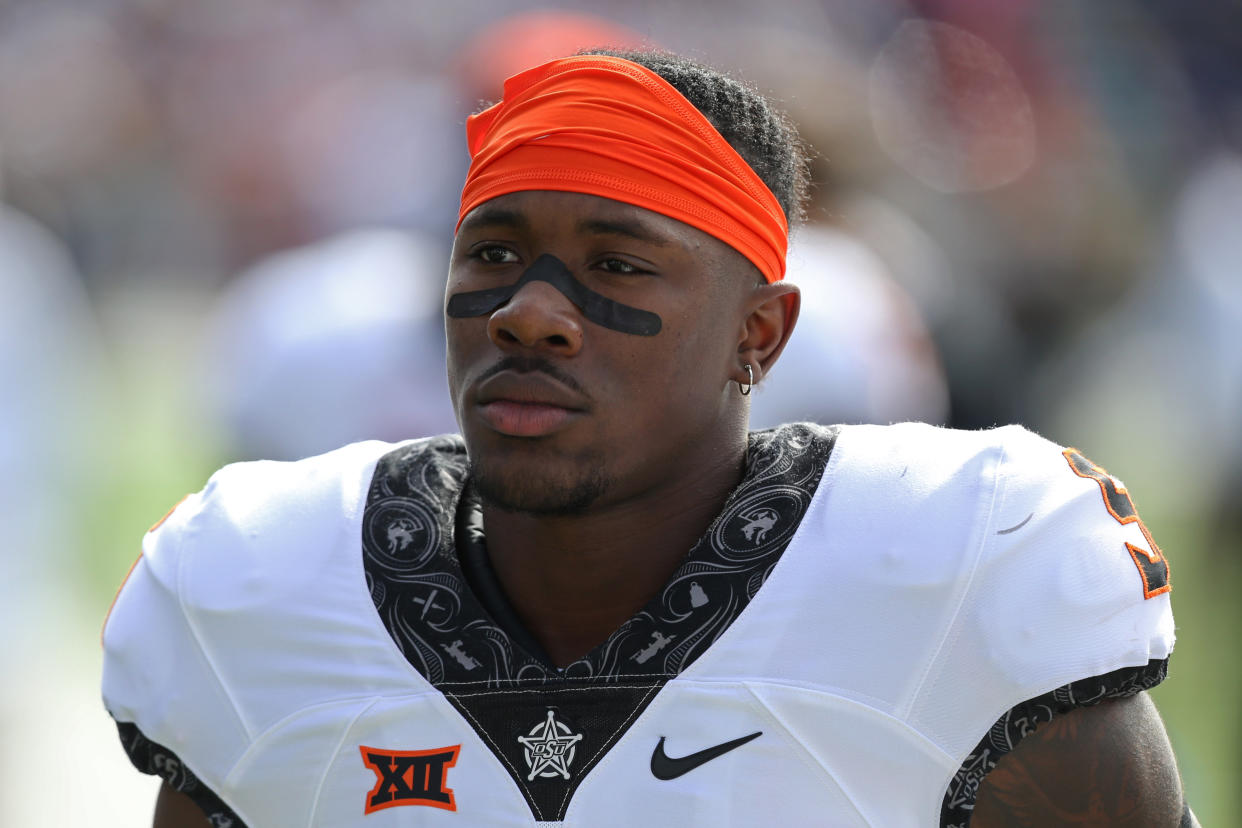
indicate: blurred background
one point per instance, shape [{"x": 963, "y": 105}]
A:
[{"x": 224, "y": 230}]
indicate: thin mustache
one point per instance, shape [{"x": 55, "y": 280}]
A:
[{"x": 530, "y": 365}]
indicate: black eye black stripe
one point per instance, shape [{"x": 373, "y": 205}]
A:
[{"x": 547, "y": 268}]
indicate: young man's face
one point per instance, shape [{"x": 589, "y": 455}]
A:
[{"x": 567, "y": 403}]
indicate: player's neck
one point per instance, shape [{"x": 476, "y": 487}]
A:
[{"x": 574, "y": 580}]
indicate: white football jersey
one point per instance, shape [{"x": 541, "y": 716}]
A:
[{"x": 875, "y": 616}]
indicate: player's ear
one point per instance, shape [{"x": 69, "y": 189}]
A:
[{"x": 771, "y": 311}]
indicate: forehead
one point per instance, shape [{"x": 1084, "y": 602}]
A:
[{"x": 547, "y": 211}]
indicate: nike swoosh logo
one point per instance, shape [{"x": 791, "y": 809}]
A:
[{"x": 667, "y": 767}]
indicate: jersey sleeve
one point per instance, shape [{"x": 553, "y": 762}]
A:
[
  {"x": 157, "y": 760},
  {"x": 1057, "y": 596},
  {"x": 1069, "y": 604},
  {"x": 158, "y": 684},
  {"x": 1074, "y": 591}
]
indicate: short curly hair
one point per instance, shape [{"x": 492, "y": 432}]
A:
[{"x": 764, "y": 136}]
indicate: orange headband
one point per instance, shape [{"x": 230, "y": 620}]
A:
[{"x": 608, "y": 127}]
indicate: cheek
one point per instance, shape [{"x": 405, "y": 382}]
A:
[
  {"x": 462, "y": 341},
  {"x": 690, "y": 366},
  {"x": 701, "y": 345}
]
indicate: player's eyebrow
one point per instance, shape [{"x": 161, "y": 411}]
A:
[
  {"x": 632, "y": 228},
  {"x": 495, "y": 217}
]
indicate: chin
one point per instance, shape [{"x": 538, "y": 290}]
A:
[{"x": 528, "y": 491}]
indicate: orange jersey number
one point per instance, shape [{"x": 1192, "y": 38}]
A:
[{"x": 1151, "y": 563}]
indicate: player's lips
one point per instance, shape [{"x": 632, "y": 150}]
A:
[{"x": 527, "y": 404}]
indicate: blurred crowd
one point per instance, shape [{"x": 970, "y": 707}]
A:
[{"x": 224, "y": 230}]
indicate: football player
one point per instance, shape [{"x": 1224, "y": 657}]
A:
[{"x": 606, "y": 603}]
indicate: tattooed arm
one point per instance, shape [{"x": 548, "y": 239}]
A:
[{"x": 1107, "y": 765}]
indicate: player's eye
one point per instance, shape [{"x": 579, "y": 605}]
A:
[
  {"x": 620, "y": 267},
  {"x": 496, "y": 254}
]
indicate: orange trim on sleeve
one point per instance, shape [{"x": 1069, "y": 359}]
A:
[
  {"x": 133, "y": 566},
  {"x": 117, "y": 595},
  {"x": 167, "y": 515},
  {"x": 609, "y": 127}
]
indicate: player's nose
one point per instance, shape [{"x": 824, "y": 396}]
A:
[{"x": 538, "y": 316}]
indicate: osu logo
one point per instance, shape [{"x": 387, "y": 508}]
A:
[{"x": 410, "y": 777}]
